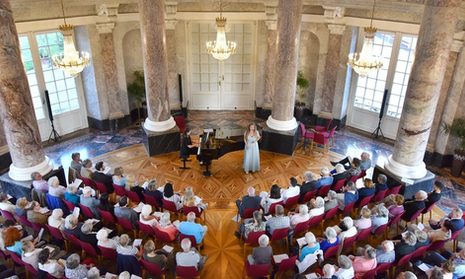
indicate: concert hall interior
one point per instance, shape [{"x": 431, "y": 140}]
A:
[{"x": 232, "y": 139}]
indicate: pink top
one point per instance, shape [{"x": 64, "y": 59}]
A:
[
  {"x": 171, "y": 230},
  {"x": 395, "y": 210},
  {"x": 362, "y": 265},
  {"x": 40, "y": 185},
  {"x": 297, "y": 218},
  {"x": 363, "y": 223}
]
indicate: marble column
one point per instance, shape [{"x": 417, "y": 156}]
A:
[
  {"x": 152, "y": 21},
  {"x": 288, "y": 30},
  {"x": 452, "y": 101},
  {"x": 16, "y": 110},
  {"x": 332, "y": 67},
  {"x": 173, "y": 88},
  {"x": 434, "y": 43},
  {"x": 270, "y": 66},
  {"x": 110, "y": 73}
]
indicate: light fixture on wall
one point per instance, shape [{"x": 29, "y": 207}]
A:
[
  {"x": 365, "y": 62},
  {"x": 221, "y": 49},
  {"x": 70, "y": 61}
]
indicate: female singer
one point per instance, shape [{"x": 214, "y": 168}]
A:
[{"x": 251, "y": 152}]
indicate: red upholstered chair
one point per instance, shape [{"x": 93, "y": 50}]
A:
[
  {"x": 248, "y": 213},
  {"x": 273, "y": 207},
  {"x": 108, "y": 253},
  {"x": 330, "y": 134},
  {"x": 133, "y": 196},
  {"x": 30, "y": 270},
  {"x": 331, "y": 213},
  {"x": 395, "y": 190},
  {"x": 101, "y": 187},
  {"x": 23, "y": 221},
  {"x": 305, "y": 135},
  {"x": 286, "y": 265},
  {"x": 301, "y": 228},
  {"x": 106, "y": 216},
  {"x": 363, "y": 235},
  {"x": 337, "y": 186},
  {"x": 74, "y": 240},
  {"x": 437, "y": 245},
  {"x": 187, "y": 272},
  {"x": 69, "y": 205},
  {"x": 126, "y": 225},
  {"x": 364, "y": 201},
  {"x": 348, "y": 243},
  {"x": 252, "y": 239},
  {"x": 395, "y": 221},
  {"x": 86, "y": 211},
  {"x": 429, "y": 210},
  {"x": 8, "y": 215},
  {"x": 257, "y": 270},
  {"x": 151, "y": 200},
  {"x": 347, "y": 211},
  {"x": 151, "y": 268},
  {"x": 381, "y": 230},
  {"x": 371, "y": 274},
  {"x": 380, "y": 195},
  {"x": 454, "y": 237},
  {"x": 419, "y": 252},
  {"x": 280, "y": 235},
  {"x": 324, "y": 127},
  {"x": 198, "y": 213},
  {"x": 323, "y": 191},
  {"x": 180, "y": 122},
  {"x": 402, "y": 262},
  {"x": 88, "y": 182},
  {"x": 56, "y": 233},
  {"x": 119, "y": 190},
  {"x": 414, "y": 216},
  {"x": 192, "y": 239},
  {"x": 320, "y": 139},
  {"x": 89, "y": 250},
  {"x": 145, "y": 229},
  {"x": 383, "y": 268},
  {"x": 291, "y": 202},
  {"x": 316, "y": 221},
  {"x": 162, "y": 236},
  {"x": 16, "y": 259},
  {"x": 331, "y": 252},
  {"x": 170, "y": 206},
  {"x": 310, "y": 195}
]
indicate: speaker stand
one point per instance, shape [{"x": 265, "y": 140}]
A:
[
  {"x": 378, "y": 130},
  {"x": 53, "y": 134}
]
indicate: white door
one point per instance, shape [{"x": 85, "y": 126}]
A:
[{"x": 216, "y": 85}]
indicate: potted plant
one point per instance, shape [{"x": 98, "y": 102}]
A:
[
  {"x": 302, "y": 84},
  {"x": 457, "y": 130},
  {"x": 137, "y": 90}
]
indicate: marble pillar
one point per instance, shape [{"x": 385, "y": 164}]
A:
[
  {"x": 110, "y": 73},
  {"x": 173, "y": 84},
  {"x": 452, "y": 102},
  {"x": 271, "y": 39},
  {"x": 288, "y": 30},
  {"x": 152, "y": 22},
  {"x": 16, "y": 110},
  {"x": 332, "y": 67},
  {"x": 434, "y": 43}
]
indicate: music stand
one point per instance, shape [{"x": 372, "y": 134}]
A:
[
  {"x": 53, "y": 134},
  {"x": 378, "y": 130}
]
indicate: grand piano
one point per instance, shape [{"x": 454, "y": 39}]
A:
[{"x": 215, "y": 143}]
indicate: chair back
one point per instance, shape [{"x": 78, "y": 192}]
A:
[
  {"x": 248, "y": 213},
  {"x": 16, "y": 259},
  {"x": 404, "y": 260},
  {"x": 309, "y": 195},
  {"x": 331, "y": 252},
  {"x": 253, "y": 237},
  {"x": 146, "y": 229},
  {"x": 88, "y": 182},
  {"x": 186, "y": 272},
  {"x": 56, "y": 202},
  {"x": 303, "y": 130},
  {"x": 191, "y": 237},
  {"x": 338, "y": 184},
  {"x": 119, "y": 190},
  {"x": 348, "y": 242},
  {"x": 89, "y": 249},
  {"x": 8, "y": 215},
  {"x": 287, "y": 264},
  {"x": 279, "y": 234},
  {"x": 395, "y": 190},
  {"x": 101, "y": 187},
  {"x": 428, "y": 209},
  {"x": 383, "y": 268},
  {"x": 107, "y": 253},
  {"x": 301, "y": 227},
  {"x": 128, "y": 263},
  {"x": 323, "y": 191},
  {"x": 380, "y": 230},
  {"x": 38, "y": 196},
  {"x": 151, "y": 200},
  {"x": 125, "y": 224},
  {"x": 187, "y": 209},
  {"x": 396, "y": 219},
  {"x": 162, "y": 236},
  {"x": 331, "y": 213},
  {"x": 24, "y": 221},
  {"x": 456, "y": 234},
  {"x": 272, "y": 208},
  {"x": 36, "y": 227},
  {"x": 170, "y": 206},
  {"x": 257, "y": 270},
  {"x": 380, "y": 195},
  {"x": 320, "y": 138},
  {"x": 56, "y": 233},
  {"x": 348, "y": 209},
  {"x": 364, "y": 201},
  {"x": 180, "y": 122},
  {"x": 363, "y": 234},
  {"x": 332, "y": 131},
  {"x": 86, "y": 211},
  {"x": 370, "y": 274},
  {"x": 437, "y": 245},
  {"x": 133, "y": 196},
  {"x": 69, "y": 205},
  {"x": 31, "y": 270},
  {"x": 106, "y": 216},
  {"x": 76, "y": 242},
  {"x": 315, "y": 221},
  {"x": 153, "y": 269},
  {"x": 419, "y": 252},
  {"x": 416, "y": 215},
  {"x": 292, "y": 201}
]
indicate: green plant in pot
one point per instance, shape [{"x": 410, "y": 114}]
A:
[
  {"x": 302, "y": 84},
  {"x": 136, "y": 89},
  {"x": 457, "y": 130}
]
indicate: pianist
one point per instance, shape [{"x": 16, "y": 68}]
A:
[{"x": 187, "y": 147}]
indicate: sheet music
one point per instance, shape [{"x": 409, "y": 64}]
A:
[{"x": 200, "y": 145}]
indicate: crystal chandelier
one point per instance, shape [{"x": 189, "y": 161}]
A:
[
  {"x": 365, "y": 62},
  {"x": 70, "y": 61},
  {"x": 221, "y": 49}
]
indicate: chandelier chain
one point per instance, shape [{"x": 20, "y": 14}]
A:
[{"x": 63, "y": 11}]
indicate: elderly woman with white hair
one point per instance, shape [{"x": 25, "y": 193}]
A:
[
  {"x": 125, "y": 248},
  {"x": 190, "y": 199},
  {"x": 317, "y": 207},
  {"x": 326, "y": 178},
  {"x": 55, "y": 189},
  {"x": 308, "y": 185},
  {"x": 56, "y": 220},
  {"x": 328, "y": 271},
  {"x": 379, "y": 216},
  {"x": 406, "y": 245},
  {"x": 166, "y": 226},
  {"x": 71, "y": 194},
  {"x": 93, "y": 273},
  {"x": 346, "y": 228},
  {"x": 189, "y": 256},
  {"x": 311, "y": 247},
  {"x": 87, "y": 235},
  {"x": 339, "y": 172},
  {"x": 330, "y": 200},
  {"x": 345, "y": 269},
  {"x": 73, "y": 267},
  {"x": 330, "y": 239},
  {"x": 301, "y": 217},
  {"x": 364, "y": 263},
  {"x": 385, "y": 253},
  {"x": 365, "y": 219},
  {"x": 146, "y": 216},
  {"x": 413, "y": 206},
  {"x": 263, "y": 253},
  {"x": 104, "y": 241}
]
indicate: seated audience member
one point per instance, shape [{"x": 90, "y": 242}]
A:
[
  {"x": 170, "y": 195},
  {"x": 133, "y": 186},
  {"x": 54, "y": 187},
  {"x": 328, "y": 271},
  {"x": 74, "y": 269},
  {"x": 339, "y": 173},
  {"x": 443, "y": 233},
  {"x": 346, "y": 228},
  {"x": 412, "y": 206},
  {"x": 331, "y": 200},
  {"x": 72, "y": 226},
  {"x": 311, "y": 247},
  {"x": 100, "y": 176},
  {"x": 166, "y": 226},
  {"x": 349, "y": 195},
  {"x": 330, "y": 240},
  {"x": 456, "y": 221},
  {"x": 355, "y": 169},
  {"x": 122, "y": 211},
  {"x": 263, "y": 253},
  {"x": 367, "y": 262},
  {"x": 76, "y": 162},
  {"x": 56, "y": 220},
  {"x": 151, "y": 190},
  {"x": 3, "y": 227},
  {"x": 379, "y": 216},
  {"x": 104, "y": 241},
  {"x": 256, "y": 224},
  {"x": 118, "y": 178},
  {"x": 365, "y": 161},
  {"x": 381, "y": 183},
  {"x": 435, "y": 195},
  {"x": 251, "y": 201},
  {"x": 30, "y": 254},
  {"x": 94, "y": 273},
  {"x": 105, "y": 204},
  {"x": 308, "y": 185},
  {"x": 124, "y": 247},
  {"x": 396, "y": 208},
  {"x": 33, "y": 214},
  {"x": 86, "y": 234},
  {"x": 190, "y": 227},
  {"x": 12, "y": 239},
  {"x": 53, "y": 267},
  {"x": 71, "y": 194},
  {"x": 385, "y": 253},
  {"x": 146, "y": 216},
  {"x": 21, "y": 205},
  {"x": 365, "y": 219},
  {"x": 190, "y": 199},
  {"x": 406, "y": 245},
  {"x": 5, "y": 204},
  {"x": 38, "y": 183},
  {"x": 89, "y": 201},
  {"x": 269, "y": 199},
  {"x": 435, "y": 258},
  {"x": 158, "y": 257},
  {"x": 292, "y": 191},
  {"x": 189, "y": 256},
  {"x": 345, "y": 269},
  {"x": 278, "y": 221},
  {"x": 302, "y": 216},
  {"x": 326, "y": 178},
  {"x": 367, "y": 190},
  {"x": 317, "y": 206},
  {"x": 406, "y": 275},
  {"x": 86, "y": 170}
]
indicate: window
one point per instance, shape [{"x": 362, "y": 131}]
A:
[
  {"x": 28, "y": 63},
  {"x": 401, "y": 75},
  {"x": 370, "y": 89}
]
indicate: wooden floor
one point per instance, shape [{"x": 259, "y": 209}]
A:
[{"x": 227, "y": 183}]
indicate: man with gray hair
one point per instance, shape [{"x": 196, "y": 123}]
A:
[
  {"x": 456, "y": 221},
  {"x": 386, "y": 254},
  {"x": 74, "y": 268},
  {"x": 381, "y": 183},
  {"x": 406, "y": 275},
  {"x": 279, "y": 221},
  {"x": 406, "y": 245},
  {"x": 189, "y": 256},
  {"x": 190, "y": 227},
  {"x": 93, "y": 273},
  {"x": 365, "y": 161},
  {"x": 86, "y": 234},
  {"x": 330, "y": 200},
  {"x": 346, "y": 270},
  {"x": 263, "y": 253},
  {"x": 326, "y": 178},
  {"x": 412, "y": 206},
  {"x": 328, "y": 271},
  {"x": 250, "y": 201},
  {"x": 308, "y": 185}
]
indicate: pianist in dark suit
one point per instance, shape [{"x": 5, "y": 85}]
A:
[{"x": 187, "y": 148}]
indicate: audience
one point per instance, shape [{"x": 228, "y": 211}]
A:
[
  {"x": 72, "y": 226},
  {"x": 345, "y": 269},
  {"x": 346, "y": 228},
  {"x": 385, "y": 253},
  {"x": 124, "y": 212},
  {"x": 349, "y": 195},
  {"x": 189, "y": 256},
  {"x": 328, "y": 271},
  {"x": 251, "y": 201},
  {"x": 76, "y": 162},
  {"x": 100, "y": 176},
  {"x": 87, "y": 199},
  {"x": 146, "y": 216},
  {"x": 365, "y": 219},
  {"x": 379, "y": 216},
  {"x": 273, "y": 197},
  {"x": 435, "y": 195},
  {"x": 87, "y": 235},
  {"x": 412, "y": 206},
  {"x": 71, "y": 194},
  {"x": 455, "y": 219},
  {"x": 55, "y": 189},
  {"x": 381, "y": 183},
  {"x": 406, "y": 245},
  {"x": 21, "y": 205},
  {"x": 170, "y": 195},
  {"x": 367, "y": 262},
  {"x": 308, "y": 185},
  {"x": 311, "y": 247},
  {"x": 326, "y": 178},
  {"x": 86, "y": 170},
  {"x": 339, "y": 173},
  {"x": 124, "y": 248},
  {"x": 104, "y": 241},
  {"x": 397, "y": 208},
  {"x": 105, "y": 204},
  {"x": 30, "y": 254},
  {"x": 56, "y": 220},
  {"x": 278, "y": 221},
  {"x": 263, "y": 253},
  {"x": 190, "y": 199},
  {"x": 301, "y": 217},
  {"x": 38, "y": 183},
  {"x": 331, "y": 200},
  {"x": 254, "y": 225},
  {"x": 33, "y": 214},
  {"x": 53, "y": 267},
  {"x": 191, "y": 228},
  {"x": 368, "y": 189},
  {"x": 330, "y": 240},
  {"x": 355, "y": 167},
  {"x": 6, "y": 204},
  {"x": 292, "y": 191},
  {"x": 118, "y": 178},
  {"x": 74, "y": 269},
  {"x": 158, "y": 257},
  {"x": 167, "y": 227},
  {"x": 12, "y": 239},
  {"x": 406, "y": 275},
  {"x": 365, "y": 161}
]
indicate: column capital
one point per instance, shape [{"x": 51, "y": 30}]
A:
[
  {"x": 336, "y": 29},
  {"x": 104, "y": 28},
  {"x": 107, "y": 12},
  {"x": 171, "y": 8},
  {"x": 331, "y": 14},
  {"x": 271, "y": 15}
]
